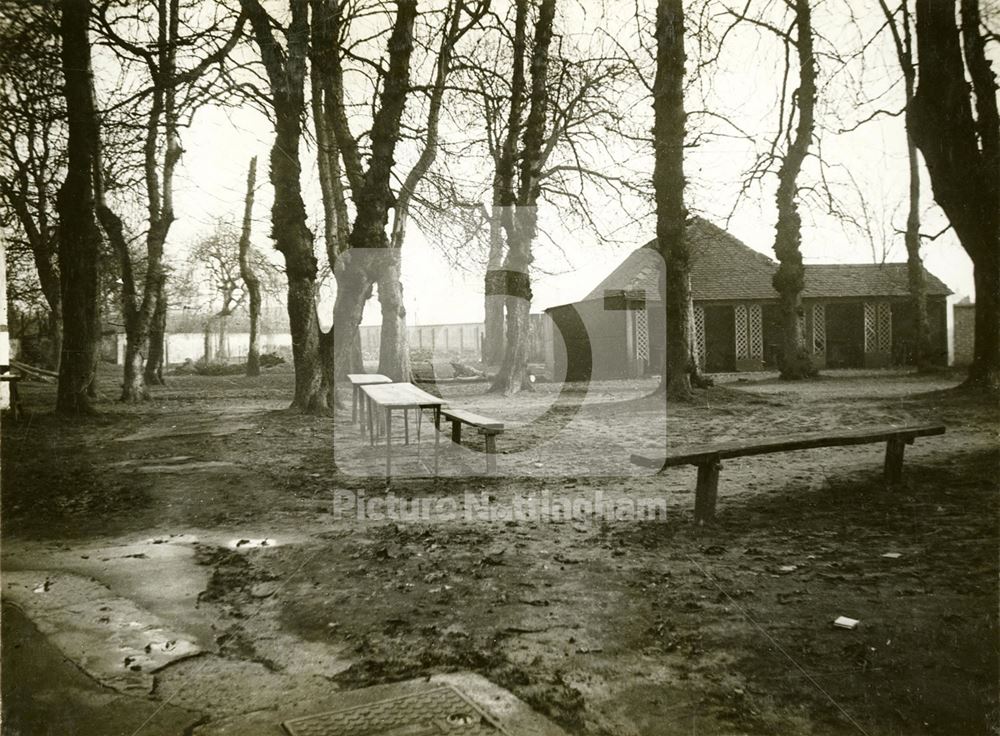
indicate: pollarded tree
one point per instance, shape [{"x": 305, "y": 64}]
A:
[
  {"x": 249, "y": 273},
  {"x": 959, "y": 135}
]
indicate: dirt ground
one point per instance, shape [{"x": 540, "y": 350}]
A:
[{"x": 607, "y": 625}]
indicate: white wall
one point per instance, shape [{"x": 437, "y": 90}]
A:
[{"x": 182, "y": 346}]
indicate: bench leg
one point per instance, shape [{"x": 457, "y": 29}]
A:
[
  {"x": 894, "y": 450},
  {"x": 456, "y": 431},
  {"x": 706, "y": 492},
  {"x": 491, "y": 454}
]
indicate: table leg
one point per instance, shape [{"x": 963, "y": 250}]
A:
[
  {"x": 388, "y": 443},
  {"x": 437, "y": 437},
  {"x": 362, "y": 400},
  {"x": 354, "y": 403},
  {"x": 406, "y": 426},
  {"x": 371, "y": 423}
]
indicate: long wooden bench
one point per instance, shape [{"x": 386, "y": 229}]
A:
[
  {"x": 708, "y": 458},
  {"x": 487, "y": 427}
]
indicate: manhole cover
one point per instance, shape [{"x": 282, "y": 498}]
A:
[{"x": 441, "y": 710}]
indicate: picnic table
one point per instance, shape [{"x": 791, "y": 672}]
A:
[
  {"x": 15, "y": 399},
  {"x": 357, "y": 381},
  {"x": 385, "y": 398}
]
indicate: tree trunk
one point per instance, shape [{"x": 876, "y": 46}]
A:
[
  {"x": 153, "y": 373},
  {"x": 915, "y": 265},
  {"x": 513, "y": 374},
  {"x": 495, "y": 282},
  {"x": 55, "y": 335},
  {"x": 962, "y": 153},
  {"x": 79, "y": 241},
  {"x": 985, "y": 369},
  {"x": 248, "y": 275},
  {"x": 354, "y": 288},
  {"x": 789, "y": 279},
  {"x": 336, "y": 228},
  {"x": 133, "y": 383},
  {"x": 394, "y": 348},
  {"x": 668, "y": 182}
]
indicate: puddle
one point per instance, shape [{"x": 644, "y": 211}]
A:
[{"x": 248, "y": 543}]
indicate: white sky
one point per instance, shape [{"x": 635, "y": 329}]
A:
[{"x": 212, "y": 176}]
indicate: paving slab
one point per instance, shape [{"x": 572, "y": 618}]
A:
[
  {"x": 113, "y": 640},
  {"x": 50, "y": 696},
  {"x": 459, "y": 704}
]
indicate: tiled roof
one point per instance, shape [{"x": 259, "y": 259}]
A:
[
  {"x": 722, "y": 267},
  {"x": 725, "y": 268},
  {"x": 829, "y": 280}
]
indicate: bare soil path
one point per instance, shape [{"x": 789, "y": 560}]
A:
[{"x": 218, "y": 514}]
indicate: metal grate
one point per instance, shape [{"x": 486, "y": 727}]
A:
[
  {"x": 756, "y": 329},
  {"x": 642, "y": 334},
  {"x": 884, "y": 327},
  {"x": 440, "y": 710},
  {"x": 819, "y": 329},
  {"x": 699, "y": 336},
  {"x": 742, "y": 339},
  {"x": 871, "y": 328}
]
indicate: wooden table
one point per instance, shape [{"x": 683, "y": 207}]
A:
[
  {"x": 389, "y": 397},
  {"x": 357, "y": 381},
  {"x": 15, "y": 399}
]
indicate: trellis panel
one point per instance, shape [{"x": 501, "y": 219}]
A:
[
  {"x": 642, "y": 335},
  {"x": 819, "y": 329},
  {"x": 871, "y": 327},
  {"x": 742, "y": 338},
  {"x": 699, "y": 336},
  {"x": 884, "y": 327},
  {"x": 756, "y": 330}
]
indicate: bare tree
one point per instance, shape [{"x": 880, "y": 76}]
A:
[
  {"x": 901, "y": 30},
  {"x": 962, "y": 152},
  {"x": 668, "y": 182},
  {"x": 286, "y": 70},
  {"x": 370, "y": 252},
  {"x": 519, "y": 171},
  {"x": 394, "y": 353},
  {"x": 79, "y": 240},
  {"x": 789, "y": 279},
  {"x": 32, "y": 155},
  {"x": 161, "y": 153}
]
